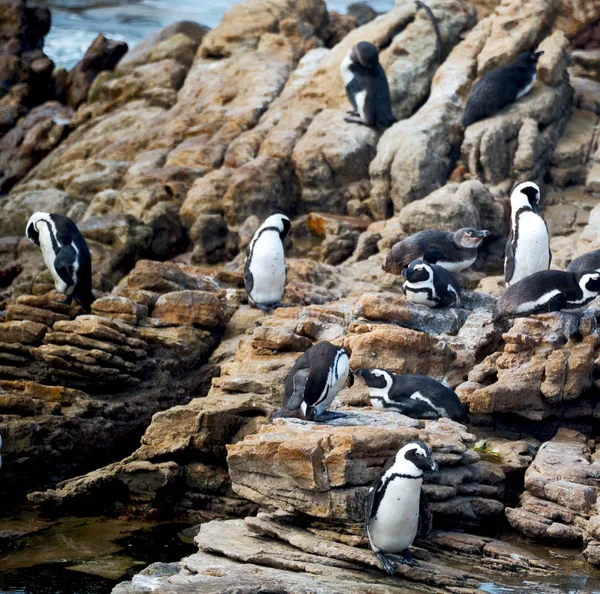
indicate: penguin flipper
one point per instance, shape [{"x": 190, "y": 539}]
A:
[
  {"x": 509, "y": 260},
  {"x": 299, "y": 386},
  {"x": 433, "y": 255},
  {"x": 63, "y": 264},
  {"x": 425, "y": 516}
]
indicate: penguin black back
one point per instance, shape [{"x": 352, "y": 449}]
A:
[
  {"x": 500, "y": 87},
  {"x": 589, "y": 261}
]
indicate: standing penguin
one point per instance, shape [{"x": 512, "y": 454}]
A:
[
  {"x": 314, "y": 381},
  {"x": 500, "y": 87},
  {"x": 65, "y": 254},
  {"x": 587, "y": 262},
  {"x": 548, "y": 290},
  {"x": 453, "y": 251},
  {"x": 394, "y": 504},
  {"x": 264, "y": 269},
  {"x": 416, "y": 396},
  {"x": 367, "y": 87},
  {"x": 428, "y": 284},
  {"x": 528, "y": 245}
]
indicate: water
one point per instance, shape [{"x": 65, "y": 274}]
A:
[{"x": 75, "y": 23}]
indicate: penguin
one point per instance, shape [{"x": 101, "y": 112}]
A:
[
  {"x": 548, "y": 290},
  {"x": 395, "y": 504},
  {"x": 453, "y": 251},
  {"x": 500, "y": 87},
  {"x": 0, "y": 451},
  {"x": 587, "y": 262},
  {"x": 264, "y": 268},
  {"x": 428, "y": 284},
  {"x": 416, "y": 396},
  {"x": 66, "y": 255},
  {"x": 314, "y": 381},
  {"x": 367, "y": 87},
  {"x": 528, "y": 244}
]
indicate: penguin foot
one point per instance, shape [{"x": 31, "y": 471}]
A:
[
  {"x": 356, "y": 121},
  {"x": 265, "y": 308},
  {"x": 68, "y": 299},
  {"x": 387, "y": 562},
  {"x": 405, "y": 558},
  {"x": 328, "y": 416},
  {"x": 353, "y": 112}
]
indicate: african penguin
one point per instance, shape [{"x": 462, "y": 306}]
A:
[
  {"x": 500, "y": 87},
  {"x": 0, "y": 451},
  {"x": 588, "y": 262},
  {"x": 367, "y": 87},
  {"x": 314, "y": 381},
  {"x": 453, "y": 251},
  {"x": 416, "y": 396},
  {"x": 548, "y": 290},
  {"x": 429, "y": 284},
  {"x": 65, "y": 254},
  {"x": 394, "y": 504},
  {"x": 528, "y": 245},
  {"x": 264, "y": 269}
]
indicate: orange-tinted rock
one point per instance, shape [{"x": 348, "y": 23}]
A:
[{"x": 190, "y": 307}]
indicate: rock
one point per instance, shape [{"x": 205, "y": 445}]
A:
[
  {"x": 339, "y": 26},
  {"x": 103, "y": 54},
  {"x": 587, "y": 94},
  {"x": 190, "y": 307},
  {"x": 555, "y": 59},
  {"x": 362, "y": 12}
]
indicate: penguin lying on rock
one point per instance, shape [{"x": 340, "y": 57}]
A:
[
  {"x": 501, "y": 87},
  {"x": 528, "y": 244},
  {"x": 65, "y": 254},
  {"x": 264, "y": 269},
  {"x": 395, "y": 503},
  {"x": 549, "y": 290},
  {"x": 587, "y": 262},
  {"x": 431, "y": 285},
  {"x": 314, "y": 381},
  {"x": 367, "y": 87},
  {"x": 453, "y": 251},
  {"x": 416, "y": 396}
]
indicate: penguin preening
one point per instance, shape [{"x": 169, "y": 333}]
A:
[
  {"x": 395, "y": 504},
  {"x": 431, "y": 285},
  {"x": 367, "y": 87},
  {"x": 65, "y": 254},
  {"x": 264, "y": 268},
  {"x": 528, "y": 244},
  {"x": 416, "y": 396},
  {"x": 548, "y": 290},
  {"x": 314, "y": 381},
  {"x": 453, "y": 251},
  {"x": 586, "y": 263},
  {"x": 500, "y": 87}
]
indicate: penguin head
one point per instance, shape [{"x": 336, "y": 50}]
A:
[
  {"x": 376, "y": 378},
  {"x": 469, "y": 237},
  {"x": 31, "y": 230},
  {"x": 418, "y": 271},
  {"x": 280, "y": 222},
  {"x": 528, "y": 58},
  {"x": 365, "y": 54},
  {"x": 526, "y": 195},
  {"x": 417, "y": 454},
  {"x": 589, "y": 281}
]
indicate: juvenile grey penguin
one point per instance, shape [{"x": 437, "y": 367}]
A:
[
  {"x": 416, "y": 396},
  {"x": 586, "y": 263},
  {"x": 429, "y": 284},
  {"x": 453, "y": 251},
  {"x": 367, "y": 87},
  {"x": 549, "y": 290},
  {"x": 500, "y": 87},
  {"x": 528, "y": 244},
  {"x": 314, "y": 381},
  {"x": 65, "y": 254},
  {"x": 395, "y": 503},
  {"x": 264, "y": 269}
]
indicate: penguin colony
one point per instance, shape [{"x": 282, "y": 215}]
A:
[{"x": 396, "y": 507}]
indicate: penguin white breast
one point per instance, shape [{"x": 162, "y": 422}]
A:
[
  {"x": 49, "y": 256},
  {"x": 419, "y": 296},
  {"x": 531, "y": 252},
  {"x": 427, "y": 402},
  {"x": 527, "y": 88},
  {"x": 395, "y": 525},
  {"x": 528, "y": 306},
  {"x": 457, "y": 266},
  {"x": 267, "y": 265},
  {"x": 336, "y": 378}
]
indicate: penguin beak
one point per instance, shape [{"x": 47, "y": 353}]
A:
[
  {"x": 537, "y": 55},
  {"x": 433, "y": 465},
  {"x": 482, "y": 234},
  {"x": 405, "y": 272},
  {"x": 359, "y": 372}
]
